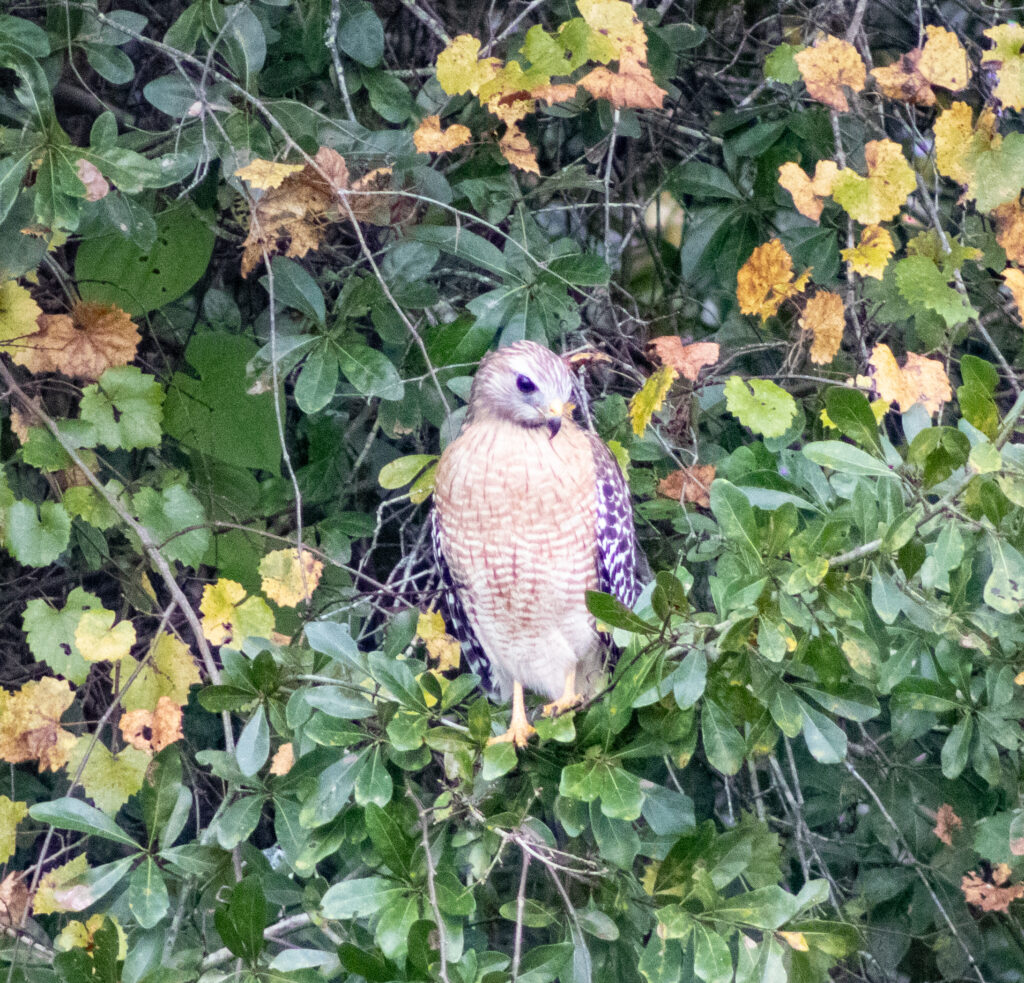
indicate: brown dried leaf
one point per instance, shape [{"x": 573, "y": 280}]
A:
[
  {"x": 766, "y": 280},
  {"x": 518, "y": 151},
  {"x": 989, "y": 897},
  {"x": 947, "y": 822},
  {"x": 1014, "y": 279},
  {"x": 829, "y": 66},
  {"x": 825, "y": 316},
  {"x": 687, "y": 360},
  {"x": 904, "y": 81},
  {"x": 153, "y": 730},
  {"x": 283, "y": 759},
  {"x": 632, "y": 86},
  {"x": 429, "y": 138},
  {"x": 96, "y": 185},
  {"x": 13, "y": 899},
  {"x": 808, "y": 193},
  {"x": 691, "y": 484},
  {"x": 1009, "y": 222}
]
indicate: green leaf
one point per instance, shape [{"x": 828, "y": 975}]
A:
[
  {"x": 36, "y": 537},
  {"x": 723, "y": 743},
  {"x": 922, "y": 284},
  {"x": 295, "y": 287},
  {"x": 253, "y": 746},
  {"x": 147, "y": 894},
  {"x": 112, "y": 269},
  {"x": 780, "y": 65},
  {"x": 956, "y": 747},
  {"x": 851, "y": 412},
  {"x": 825, "y": 741},
  {"x": 846, "y": 459},
  {"x": 333, "y": 790},
  {"x": 581, "y": 269},
  {"x": 544, "y": 962},
  {"x": 702, "y": 181},
  {"x": 241, "y": 922},
  {"x": 760, "y": 405},
  {"x": 360, "y": 897},
  {"x": 661, "y": 961},
  {"x": 712, "y": 961},
  {"x": 690, "y": 679},
  {"x": 166, "y": 514},
  {"x": 238, "y": 822},
  {"x": 403, "y": 470},
  {"x": 51, "y": 633},
  {"x": 735, "y": 515},
  {"x": 766, "y": 908},
  {"x": 80, "y": 817},
  {"x": 374, "y": 784},
  {"x": 389, "y": 96},
  {"x": 124, "y": 407},
  {"x": 389, "y": 840},
  {"x": 360, "y": 33},
  {"x": 499, "y": 759},
  {"x": 612, "y": 612},
  {"x": 317, "y": 381},
  {"x": 371, "y": 372},
  {"x": 1004, "y": 589},
  {"x": 621, "y": 796}
]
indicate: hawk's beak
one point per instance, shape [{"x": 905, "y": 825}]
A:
[{"x": 554, "y": 414}]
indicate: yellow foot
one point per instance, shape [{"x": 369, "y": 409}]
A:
[
  {"x": 565, "y": 703},
  {"x": 518, "y": 734}
]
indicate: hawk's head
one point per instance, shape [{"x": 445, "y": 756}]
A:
[{"x": 525, "y": 383}]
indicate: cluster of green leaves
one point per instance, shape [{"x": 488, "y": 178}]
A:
[{"x": 826, "y": 657}]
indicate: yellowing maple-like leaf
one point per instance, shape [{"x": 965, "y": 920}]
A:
[
  {"x": 82, "y": 345},
  {"x": 871, "y": 255},
  {"x": 100, "y": 640},
  {"x": 288, "y": 579},
  {"x": 110, "y": 780},
  {"x": 958, "y": 140},
  {"x": 687, "y": 360},
  {"x": 13, "y": 899},
  {"x": 264, "y": 174},
  {"x": 283, "y": 759},
  {"x": 903, "y": 80},
  {"x": 429, "y": 138},
  {"x": 1014, "y": 280},
  {"x": 154, "y": 730},
  {"x": 921, "y": 380},
  {"x": 18, "y": 314},
  {"x": 692, "y": 484},
  {"x": 460, "y": 69},
  {"x": 824, "y": 316},
  {"x": 633, "y": 85},
  {"x": 1006, "y": 58},
  {"x": 56, "y": 882},
  {"x": 11, "y": 813},
  {"x": 79, "y": 935},
  {"x": 30, "y": 723},
  {"x": 808, "y": 193},
  {"x": 508, "y": 94},
  {"x": 229, "y": 617},
  {"x": 443, "y": 648},
  {"x": 1009, "y": 223},
  {"x": 516, "y": 148},
  {"x": 942, "y": 62},
  {"x": 829, "y": 66},
  {"x": 765, "y": 280},
  {"x": 879, "y": 196},
  {"x": 170, "y": 671},
  {"x": 649, "y": 399}
]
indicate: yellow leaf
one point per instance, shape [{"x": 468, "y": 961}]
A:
[
  {"x": 1014, "y": 280},
  {"x": 517, "y": 150},
  {"x": 795, "y": 940},
  {"x": 76, "y": 935},
  {"x": 648, "y": 400},
  {"x": 170, "y": 672},
  {"x": 265, "y": 174},
  {"x": 18, "y": 313},
  {"x": 1009, "y": 223},
  {"x": 459, "y": 69},
  {"x": 879, "y": 196},
  {"x": 100, "y": 640},
  {"x": 56, "y": 882},
  {"x": 30, "y": 723},
  {"x": 286, "y": 580},
  {"x": 110, "y": 780},
  {"x": 429, "y": 138},
  {"x": 944, "y": 59},
  {"x": 766, "y": 280},
  {"x": 921, "y": 380},
  {"x": 825, "y": 316},
  {"x": 958, "y": 140},
  {"x": 829, "y": 66},
  {"x": 808, "y": 194},
  {"x": 904, "y": 81},
  {"x": 442, "y": 647},
  {"x": 871, "y": 255},
  {"x": 229, "y": 618},
  {"x": 1008, "y": 62},
  {"x": 11, "y": 813}
]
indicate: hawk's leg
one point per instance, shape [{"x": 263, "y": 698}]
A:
[
  {"x": 569, "y": 699},
  {"x": 519, "y": 731}
]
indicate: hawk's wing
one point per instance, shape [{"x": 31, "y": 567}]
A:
[
  {"x": 614, "y": 530},
  {"x": 454, "y": 611}
]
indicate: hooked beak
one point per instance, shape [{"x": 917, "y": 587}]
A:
[{"x": 554, "y": 414}]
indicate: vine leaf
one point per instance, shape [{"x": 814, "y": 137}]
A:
[
  {"x": 765, "y": 280},
  {"x": 30, "y": 723},
  {"x": 1006, "y": 58},
  {"x": 871, "y": 255},
  {"x": 288, "y": 578},
  {"x": 828, "y": 67},
  {"x": 825, "y": 317}
]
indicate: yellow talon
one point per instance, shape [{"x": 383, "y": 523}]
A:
[
  {"x": 520, "y": 730},
  {"x": 569, "y": 699}
]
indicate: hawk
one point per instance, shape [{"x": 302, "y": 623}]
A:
[{"x": 531, "y": 511}]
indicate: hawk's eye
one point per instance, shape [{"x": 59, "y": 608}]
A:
[{"x": 525, "y": 384}]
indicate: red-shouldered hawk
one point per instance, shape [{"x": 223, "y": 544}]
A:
[{"x": 531, "y": 512}]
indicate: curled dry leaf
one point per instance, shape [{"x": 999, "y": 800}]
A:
[
  {"x": 687, "y": 360},
  {"x": 429, "y": 138},
  {"x": 283, "y": 759},
  {"x": 828, "y": 67},
  {"x": 921, "y": 380},
  {"x": 808, "y": 193},
  {"x": 871, "y": 255},
  {"x": 518, "y": 151},
  {"x": 691, "y": 484},
  {"x": 154, "y": 730},
  {"x": 989, "y": 897},
  {"x": 82, "y": 345},
  {"x": 1009, "y": 222},
  {"x": 947, "y": 822},
  {"x": 824, "y": 316},
  {"x": 766, "y": 280},
  {"x": 13, "y": 899},
  {"x": 96, "y": 185}
]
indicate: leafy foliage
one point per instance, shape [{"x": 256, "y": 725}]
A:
[{"x": 250, "y": 254}]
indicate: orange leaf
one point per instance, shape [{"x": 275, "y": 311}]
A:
[
  {"x": 1014, "y": 280},
  {"x": 947, "y": 822},
  {"x": 766, "y": 280},
  {"x": 904, "y": 81},
  {"x": 691, "y": 484},
  {"x": 517, "y": 149},
  {"x": 632, "y": 86},
  {"x": 687, "y": 360},
  {"x": 153, "y": 730},
  {"x": 429, "y": 138},
  {"x": 554, "y": 92},
  {"x": 96, "y": 185},
  {"x": 1009, "y": 222},
  {"x": 989, "y": 897},
  {"x": 829, "y": 66},
  {"x": 825, "y": 316},
  {"x": 921, "y": 380},
  {"x": 808, "y": 193},
  {"x": 283, "y": 759}
]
